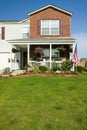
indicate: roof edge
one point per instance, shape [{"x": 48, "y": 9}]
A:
[
  {"x": 62, "y": 10},
  {"x": 43, "y": 39},
  {"x": 9, "y": 20},
  {"x": 24, "y": 20}
]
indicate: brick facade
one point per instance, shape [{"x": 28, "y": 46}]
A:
[{"x": 52, "y": 14}]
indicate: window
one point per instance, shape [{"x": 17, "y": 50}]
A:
[
  {"x": 49, "y": 27},
  {"x": 46, "y": 54},
  {"x": 54, "y": 50},
  {"x": 25, "y": 31}
]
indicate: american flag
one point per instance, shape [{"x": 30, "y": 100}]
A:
[{"x": 75, "y": 58}]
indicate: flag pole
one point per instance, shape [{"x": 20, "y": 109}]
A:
[
  {"x": 73, "y": 67},
  {"x": 75, "y": 55}
]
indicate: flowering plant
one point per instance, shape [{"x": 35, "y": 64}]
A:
[
  {"x": 39, "y": 51},
  {"x": 61, "y": 48}
]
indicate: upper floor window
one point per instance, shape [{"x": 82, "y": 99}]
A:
[
  {"x": 25, "y": 31},
  {"x": 49, "y": 27}
]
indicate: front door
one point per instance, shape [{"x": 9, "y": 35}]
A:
[{"x": 24, "y": 59}]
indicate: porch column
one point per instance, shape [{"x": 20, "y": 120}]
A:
[
  {"x": 50, "y": 55},
  {"x": 28, "y": 53},
  {"x": 11, "y": 57}
]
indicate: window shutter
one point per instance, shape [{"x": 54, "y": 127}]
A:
[
  {"x": 3, "y": 33},
  {"x": 61, "y": 27},
  {"x": 38, "y": 27}
]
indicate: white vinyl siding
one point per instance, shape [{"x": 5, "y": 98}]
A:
[
  {"x": 49, "y": 27},
  {"x": 12, "y": 31}
]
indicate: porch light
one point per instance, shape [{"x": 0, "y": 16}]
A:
[{"x": 14, "y": 50}]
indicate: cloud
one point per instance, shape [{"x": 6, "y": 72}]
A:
[{"x": 81, "y": 39}]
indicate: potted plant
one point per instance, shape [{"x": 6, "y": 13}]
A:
[
  {"x": 60, "y": 51},
  {"x": 39, "y": 53},
  {"x": 61, "y": 48}
]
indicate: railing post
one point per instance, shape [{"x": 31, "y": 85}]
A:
[
  {"x": 50, "y": 55},
  {"x": 11, "y": 57},
  {"x": 28, "y": 54}
]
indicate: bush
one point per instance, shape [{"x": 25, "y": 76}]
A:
[
  {"x": 55, "y": 69},
  {"x": 66, "y": 65},
  {"x": 26, "y": 67},
  {"x": 43, "y": 68},
  {"x": 36, "y": 69},
  {"x": 79, "y": 69}
]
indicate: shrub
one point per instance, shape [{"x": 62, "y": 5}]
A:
[
  {"x": 55, "y": 69},
  {"x": 36, "y": 69},
  {"x": 66, "y": 65},
  {"x": 43, "y": 68},
  {"x": 79, "y": 69}
]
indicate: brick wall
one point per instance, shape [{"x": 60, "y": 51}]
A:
[{"x": 50, "y": 13}]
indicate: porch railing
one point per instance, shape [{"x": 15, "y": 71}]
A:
[{"x": 45, "y": 63}]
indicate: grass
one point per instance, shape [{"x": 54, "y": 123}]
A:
[{"x": 43, "y": 103}]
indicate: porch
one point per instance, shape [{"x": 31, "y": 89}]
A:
[{"x": 50, "y": 51}]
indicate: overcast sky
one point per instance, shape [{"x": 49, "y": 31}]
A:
[{"x": 18, "y": 10}]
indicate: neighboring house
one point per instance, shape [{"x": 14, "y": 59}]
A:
[{"x": 48, "y": 28}]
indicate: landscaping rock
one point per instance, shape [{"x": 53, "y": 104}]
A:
[
  {"x": 5, "y": 75},
  {"x": 58, "y": 72},
  {"x": 17, "y": 72}
]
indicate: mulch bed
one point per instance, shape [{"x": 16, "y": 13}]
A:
[
  {"x": 50, "y": 74},
  {"x": 39, "y": 74}
]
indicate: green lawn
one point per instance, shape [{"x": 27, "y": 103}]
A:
[{"x": 43, "y": 103}]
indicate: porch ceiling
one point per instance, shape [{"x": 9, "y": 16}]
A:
[{"x": 21, "y": 46}]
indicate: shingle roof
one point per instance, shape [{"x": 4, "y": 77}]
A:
[{"x": 44, "y": 40}]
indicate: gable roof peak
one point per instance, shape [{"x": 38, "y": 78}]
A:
[{"x": 52, "y": 6}]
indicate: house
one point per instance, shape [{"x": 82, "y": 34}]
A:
[{"x": 48, "y": 28}]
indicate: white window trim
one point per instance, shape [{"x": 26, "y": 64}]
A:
[
  {"x": 25, "y": 31},
  {"x": 50, "y": 28}
]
